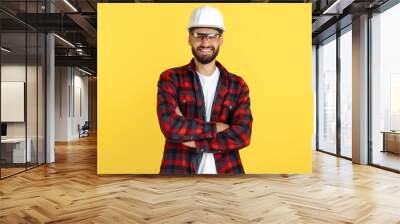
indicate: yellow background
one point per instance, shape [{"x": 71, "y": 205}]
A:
[{"x": 269, "y": 45}]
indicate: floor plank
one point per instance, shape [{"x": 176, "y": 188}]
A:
[{"x": 70, "y": 191}]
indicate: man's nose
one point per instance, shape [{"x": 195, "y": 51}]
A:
[
  {"x": 205, "y": 41},
  {"x": 205, "y": 45}
]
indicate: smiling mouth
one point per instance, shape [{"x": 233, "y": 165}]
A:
[{"x": 205, "y": 50}]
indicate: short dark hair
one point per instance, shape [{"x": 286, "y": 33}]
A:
[{"x": 219, "y": 30}]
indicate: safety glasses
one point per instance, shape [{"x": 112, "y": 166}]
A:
[{"x": 209, "y": 36}]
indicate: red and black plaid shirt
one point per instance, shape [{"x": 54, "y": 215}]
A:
[{"x": 180, "y": 87}]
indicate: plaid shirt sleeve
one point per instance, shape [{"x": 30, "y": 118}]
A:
[
  {"x": 238, "y": 134},
  {"x": 177, "y": 128}
]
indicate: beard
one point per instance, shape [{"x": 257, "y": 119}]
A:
[{"x": 205, "y": 59}]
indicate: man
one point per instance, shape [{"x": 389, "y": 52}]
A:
[{"x": 203, "y": 110}]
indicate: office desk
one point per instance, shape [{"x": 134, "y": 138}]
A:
[
  {"x": 391, "y": 141},
  {"x": 15, "y": 148}
]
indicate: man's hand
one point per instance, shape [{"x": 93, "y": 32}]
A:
[
  {"x": 191, "y": 144},
  {"x": 178, "y": 112},
  {"x": 221, "y": 126}
]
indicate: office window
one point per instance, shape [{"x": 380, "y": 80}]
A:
[
  {"x": 385, "y": 90},
  {"x": 346, "y": 93},
  {"x": 327, "y": 95}
]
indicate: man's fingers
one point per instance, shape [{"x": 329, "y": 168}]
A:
[
  {"x": 177, "y": 111},
  {"x": 191, "y": 144},
  {"x": 222, "y": 126}
]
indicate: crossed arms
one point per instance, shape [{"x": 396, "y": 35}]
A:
[{"x": 196, "y": 133}]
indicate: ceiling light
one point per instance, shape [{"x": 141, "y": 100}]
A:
[
  {"x": 5, "y": 50},
  {"x": 65, "y": 41},
  {"x": 70, "y": 5},
  {"x": 338, "y": 6},
  {"x": 84, "y": 71}
]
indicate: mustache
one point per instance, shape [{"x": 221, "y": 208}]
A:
[{"x": 200, "y": 48}]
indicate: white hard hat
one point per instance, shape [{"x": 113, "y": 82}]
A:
[{"x": 206, "y": 16}]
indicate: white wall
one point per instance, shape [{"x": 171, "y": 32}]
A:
[
  {"x": 71, "y": 93},
  {"x": 81, "y": 84},
  {"x": 12, "y": 101},
  {"x": 33, "y": 127},
  {"x": 62, "y": 78},
  {"x": 12, "y": 73}
]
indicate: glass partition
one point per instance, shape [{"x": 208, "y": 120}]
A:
[
  {"x": 327, "y": 95},
  {"x": 14, "y": 153},
  {"x": 22, "y": 77}
]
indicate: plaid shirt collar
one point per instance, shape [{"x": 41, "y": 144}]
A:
[
  {"x": 222, "y": 69},
  {"x": 222, "y": 87}
]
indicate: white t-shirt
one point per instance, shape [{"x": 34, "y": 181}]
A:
[{"x": 209, "y": 86}]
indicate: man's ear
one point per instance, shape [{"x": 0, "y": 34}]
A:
[
  {"x": 189, "y": 39},
  {"x": 221, "y": 40}
]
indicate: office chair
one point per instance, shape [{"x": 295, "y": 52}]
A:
[{"x": 84, "y": 130}]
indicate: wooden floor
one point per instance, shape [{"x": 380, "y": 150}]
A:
[
  {"x": 387, "y": 159},
  {"x": 9, "y": 171},
  {"x": 5, "y": 172},
  {"x": 69, "y": 191}
]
